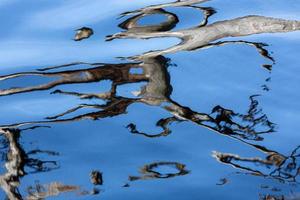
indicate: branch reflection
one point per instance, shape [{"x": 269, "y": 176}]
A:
[{"x": 274, "y": 165}]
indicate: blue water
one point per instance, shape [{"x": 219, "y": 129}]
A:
[{"x": 39, "y": 34}]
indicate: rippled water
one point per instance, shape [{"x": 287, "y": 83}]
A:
[{"x": 215, "y": 117}]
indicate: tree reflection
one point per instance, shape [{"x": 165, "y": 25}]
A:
[
  {"x": 156, "y": 92},
  {"x": 17, "y": 160},
  {"x": 244, "y": 127}
]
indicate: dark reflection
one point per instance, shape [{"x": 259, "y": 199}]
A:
[
  {"x": 156, "y": 92},
  {"x": 274, "y": 165},
  {"x": 96, "y": 177},
  {"x": 151, "y": 171},
  {"x": 163, "y": 123},
  {"x": 223, "y": 181},
  {"x": 244, "y": 127}
]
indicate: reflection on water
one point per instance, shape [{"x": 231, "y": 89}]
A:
[
  {"x": 247, "y": 128},
  {"x": 83, "y": 33},
  {"x": 53, "y": 189},
  {"x": 149, "y": 171},
  {"x": 17, "y": 160},
  {"x": 280, "y": 167}
]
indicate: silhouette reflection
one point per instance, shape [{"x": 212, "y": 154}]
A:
[{"x": 244, "y": 127}]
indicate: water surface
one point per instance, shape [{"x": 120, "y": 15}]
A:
[{"x": 215, "y": 123}]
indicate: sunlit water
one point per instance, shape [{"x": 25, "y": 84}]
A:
[{"x": 178, "y": 164}]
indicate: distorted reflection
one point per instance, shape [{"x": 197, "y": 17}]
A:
[
  {"x": 278, "y": 197},
  {"x": 96, "y": 177},
  {"x": 156, "y": 92},
  {"x": 83, "y": 33},
  {"x": 246, "y": 128},
  {"x": 223, "y": 181},
  {"x": 151, "y": 171},
  {"x": 204, "y": 35},
  {"x": 19, "y": 163},
  {"x": 271, "y": 197},
  {"x": 39, "y": 191},
  {"x": 276, "y": 165}
]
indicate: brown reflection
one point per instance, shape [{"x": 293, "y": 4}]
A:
[
  {"x": 243, "y": 127},
  {"x": 39, "y": 191},
  {"x": 83, "y": 33},
  {"x": 151, "y": 171},
  {"x": 156, "y": 92}
]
